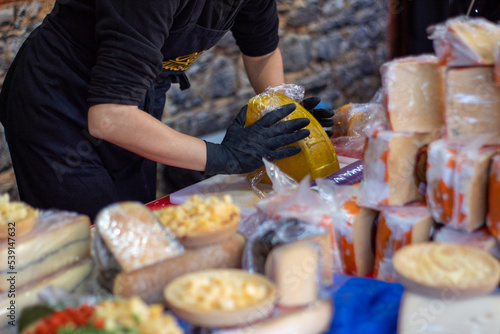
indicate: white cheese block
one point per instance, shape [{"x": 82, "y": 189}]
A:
[
  {"x": 466, "y": 41},
  {"x": 449, "y": 314},
  {"x": 472, "y": 102},
  {"x": 295, "y": 269},
  {"x": 39, "y": 253},
  {"x": 313, "y": 319},
  {"x": 414, "y": 93},
  {"x": 73, "y": 279}
]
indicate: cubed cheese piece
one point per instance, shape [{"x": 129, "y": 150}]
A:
[
  {"x": 295, "y": 269},
  {"x": 466, "y": 41},
  {"x": 457, "y": 182},
  {"x": 134, "y": 236},
  {"x": 493, "y": 218},
  {"x": 73, "y": 279},
  {"x": 472, "y": 102},
  {"x": 414, "y": 94},
  {"x": 39, "y": 253},
  {"x": 389, "y": 168},
  {"x": 149, "y": 282},
  {"x": 449, "y": 314},
  {"x": 399, "y": 226},
  {"x": 313, "y": 319}
]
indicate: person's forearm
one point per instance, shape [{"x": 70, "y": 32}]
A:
[
  {"x": 137, "y": 131},
  {"x": 265, "y": 71}
]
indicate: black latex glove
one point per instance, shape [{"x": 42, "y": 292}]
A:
[
  {"x": 323, "y": 116},
  {"x": 242, "y": 149}
]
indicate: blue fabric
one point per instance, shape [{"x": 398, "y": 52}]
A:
[{"x": 364, "y": 305}]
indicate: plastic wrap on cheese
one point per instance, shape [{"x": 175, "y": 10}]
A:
[
  {"x": 349, "y": 146},
  {"x": 275, "y": 232},
  {"x": 354, "y": 226},
  {"x": 389, "y": 169},
  {"x": 317, "y": 157},
  {"x": 58, "y": 239},
  {"x": 399, "y": 226},
  {"x": 351, "y": 119},
  {"x": 481, "y": 239},
  {"x": 493, "y": 216},
  {"x": 472, "y": 102},
  {"x": 414, "y": 93},
  {"x": 298, "y": 201},
  {"x": 497, "y": 65},
  {"x": 457, "y": 180},
  {"x": 128, "y": 234},
  {"x": 465, "y": 41}
]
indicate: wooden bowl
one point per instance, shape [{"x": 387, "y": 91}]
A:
[
  {"x": 22, "y": 226},
  {"x": 436, "y": 269},
  {"x": 197, "y": 315},
  {"x": 194, "y": 240}
]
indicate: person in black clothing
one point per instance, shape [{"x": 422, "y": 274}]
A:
[{"x": 82, "y": 101}]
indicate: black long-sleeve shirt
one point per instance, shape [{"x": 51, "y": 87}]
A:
[{"x": 128, "y": 40}]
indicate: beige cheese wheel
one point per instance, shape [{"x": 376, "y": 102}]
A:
[{"x": 430, "y": 268}]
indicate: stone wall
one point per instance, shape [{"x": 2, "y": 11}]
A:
[{"x": 333, "y": 48}]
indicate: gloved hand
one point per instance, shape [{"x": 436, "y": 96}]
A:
[
  {"x": 323, "y": 116},
  {"x": 242, "y": 149}
]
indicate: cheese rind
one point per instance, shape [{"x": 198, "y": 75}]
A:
[
  {"x": 39, "y": 254},
  {"x": 493, "y": 217},
  {"x": 472, "y": 102},
  {"x": 389, "y": 168},
  {"x": 399, "y": 226},
  {"x": 448, "y": 314},
  {"x": 414, "y": 93},
  {"x": 148, "y": 282}
]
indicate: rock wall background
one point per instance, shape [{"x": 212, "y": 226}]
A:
[{"x": 334, "y": 48}]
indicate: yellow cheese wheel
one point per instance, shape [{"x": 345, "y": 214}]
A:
[{"x": 317, "y": 157}]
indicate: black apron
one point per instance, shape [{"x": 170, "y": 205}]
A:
[{"x": 44, "y": 111}]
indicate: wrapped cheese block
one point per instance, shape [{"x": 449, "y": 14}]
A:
[
  {"x": 481, "y": 239},
  {"x": 465, "y": 41},
  {"x": 296, "y": 271},
  {"x": 472, "y": 102},
  {"x": 273, "y": 233},
  {"x": 493, "y": 217},
  {"x": 399, "y": 226},
  {"x": 72, "y": 278},
  {"x": 134, "y": 237},
  {"x": 441, "y": 162},
  {"x": 449, "y": 314},
  {"x": 389, "y": 168},
  {"x": 39, "y": 253},
  {"x": 354, "y": 225},
  {"x": 497, "y": 65},
  {"x": 317, "y": 157},
  {"x": 457, "y": 181},
  {"x": 415, "y": 97},
  {"x": 148, "y": 282}
]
